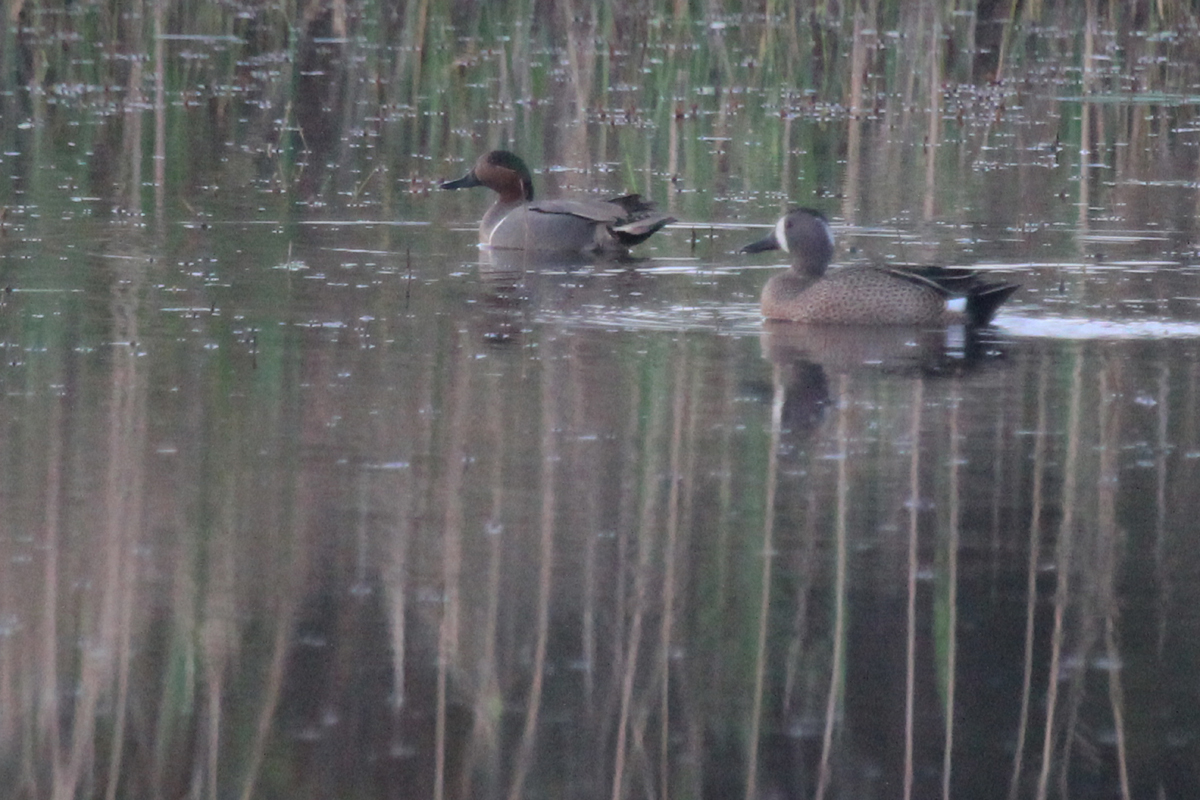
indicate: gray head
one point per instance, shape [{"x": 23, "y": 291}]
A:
[{"x": 804, "y": 233}]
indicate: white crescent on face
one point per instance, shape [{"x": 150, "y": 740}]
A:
[{"x": 780, "y": 237}]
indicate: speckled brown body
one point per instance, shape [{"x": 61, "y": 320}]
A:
[{"x": 854, "y": 295}]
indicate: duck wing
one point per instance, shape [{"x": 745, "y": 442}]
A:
[
  {"x": 983, "y": 297},
  {"x": 630, "y": 219},
  {"x": 944, "y": 280},
  {"x": 948, "y": 280},
  {"x": 591, "y": 210},
  {"x": 617, "y": 210}
]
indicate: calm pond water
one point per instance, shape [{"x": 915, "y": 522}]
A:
[{"x": 305, "y": 496}]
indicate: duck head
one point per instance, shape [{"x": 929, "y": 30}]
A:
[
  {"x": 805, "y": 235},
  {"x": 502, "y": 172}
]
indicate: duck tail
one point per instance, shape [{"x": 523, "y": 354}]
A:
[
  {"x": 983, "y": 303},
  {"x": 639, "y": 230}
]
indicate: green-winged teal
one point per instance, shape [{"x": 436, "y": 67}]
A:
[
  {"x": 867, "y": 295},
  {"x": 516, "y": 222}
]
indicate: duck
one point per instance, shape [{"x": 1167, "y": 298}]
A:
[
  {"x": 577, "y": 226},
  {"x": 867, "y": 295}
]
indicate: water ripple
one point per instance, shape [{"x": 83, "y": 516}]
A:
[{"x": 1087, "y": 328}]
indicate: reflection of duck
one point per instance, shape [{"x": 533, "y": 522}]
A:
[
  {"x": 867, "y": 295},
  {"x": 516, "y": 222},
  {"x": 807, "y": 357},
  {"x": 897, "y": 350},
  {"x": 511, "y": 266},
  {"x": 516, "y": 287}
]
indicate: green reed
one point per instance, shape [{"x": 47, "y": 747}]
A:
[{"x": 433, "y": 81}]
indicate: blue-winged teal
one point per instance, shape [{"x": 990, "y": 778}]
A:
[
  {"x": 516, "y": 222},
  {"x": 867, "y": 295}
]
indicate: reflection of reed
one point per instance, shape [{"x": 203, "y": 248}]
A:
[
  {"x": 627, "y": 526},
  {"x": 264, "y": 728},
  {"x": 588, "y": 628},
  {"x": 483, "y": 743},
  {"x": 218, "y": 637},
  {"x": 768, "y": 559},
  {"x": 716, "y": 666},
  {"x": 104, "y": 629},
  {"x": 953, "y": 540},
  {"x": 451, "y": 501},
  {"x": 1117, "y": 700},
  {"x": 806, "y": 570},
  {"x": 838, "y": 634},
  {"x": 551, "y": 423},
  {"x": 914, "y": 565},
  {"x": 1161, "y": 486},
  {"x": 1041, "y": 434},
  {"x": 1094, "y": 592},
  {"x": 1063, "y": 562},
  {"x": 1108, "y": 545},
  {"x": 680, "y": 475},
  {"x": 124, "y": 503},
  {"x": 49, "y": 712},
  {"x": 632, "y": 637}
]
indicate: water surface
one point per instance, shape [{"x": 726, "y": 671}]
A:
[{"x": 304, "y": 496}]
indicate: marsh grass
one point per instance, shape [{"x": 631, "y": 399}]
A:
[{"x": 420, "y": 73}]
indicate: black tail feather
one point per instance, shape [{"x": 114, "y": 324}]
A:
[
  {"x": 986, "y": 299},
  {"x": 639, "y": 230}
]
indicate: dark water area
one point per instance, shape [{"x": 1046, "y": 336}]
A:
[{"x": 305, "y": 495}]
